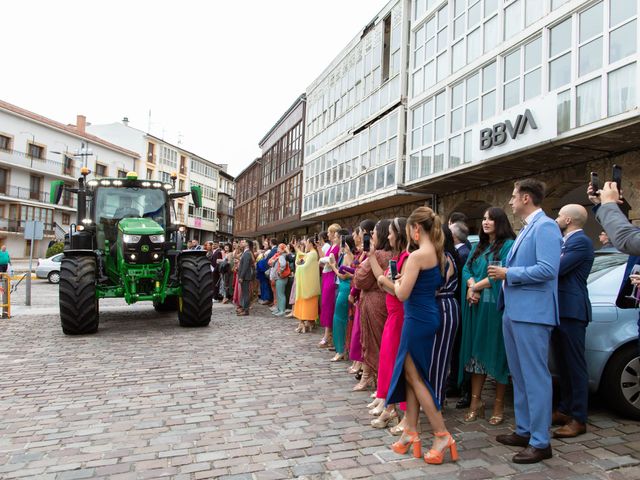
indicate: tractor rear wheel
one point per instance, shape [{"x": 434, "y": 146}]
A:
[
  {"x": 194, "y": 307},
  {"x": 79, "y": 313},
  {"x": 170, "y": 304}
]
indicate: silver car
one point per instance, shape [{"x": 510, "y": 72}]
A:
[
  {"x": 613, "y": 358},
  {"x": 49, "y": 268}
]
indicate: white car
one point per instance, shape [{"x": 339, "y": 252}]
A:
[{"x": 49, "y": 268}]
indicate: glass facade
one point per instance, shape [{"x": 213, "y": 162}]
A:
[
  {"x": 355, "y": 118},
  {"x": 499, "y": 55}
]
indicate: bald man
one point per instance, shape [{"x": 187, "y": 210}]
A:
[{"x": 567, "y": 339}]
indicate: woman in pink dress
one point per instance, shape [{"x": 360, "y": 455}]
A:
[
  {"x": 328, "y": 296},
  {"x": 393, "y": 325}
]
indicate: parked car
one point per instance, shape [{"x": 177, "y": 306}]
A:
[
  {"x": 49, "y": 268},
  {"x": 613, "y": 358}
]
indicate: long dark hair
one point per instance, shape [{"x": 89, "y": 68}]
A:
[
  {"x": 399, "y": 227},
  {"x": 382, "y": 232},
  {"x": 450, "y": 247},
  {"x": 504, "y": 232}
]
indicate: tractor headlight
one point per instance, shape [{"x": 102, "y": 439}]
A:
[
  {"x": 156, "y": 238},
  {"x": 86, "y": 221},
  {"x": 131, "y": 238}
]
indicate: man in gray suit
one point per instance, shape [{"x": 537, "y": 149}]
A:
[
  {"x": 624, "y": 235},
  {"x": 246, "y": 273}
]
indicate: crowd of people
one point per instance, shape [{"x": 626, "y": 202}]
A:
[{"x": 420, "y": 312}]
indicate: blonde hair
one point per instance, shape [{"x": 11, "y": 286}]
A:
[
  {"x": 333, "y": 228},
  {"x": 432, "y": 225}
]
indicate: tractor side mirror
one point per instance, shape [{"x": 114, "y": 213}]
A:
[
  {"x": 57, "y": 186},
  {"x": 196, "y": 195}
]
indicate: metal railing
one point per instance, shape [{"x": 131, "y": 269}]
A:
[
  {"x": 44, "y": 165},
  {"x": 17, "y": 226},
  {"x": 25, "y": 193}
]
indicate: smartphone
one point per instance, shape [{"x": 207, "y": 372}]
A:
[
  {"x": 393, "y": 268},
  {"x": 595, "y": 183},
  {"x": 617, "y": 177},
  {"x": 366, "y": 242},
  {"x": 315, "y": 238},
  {"x": 343, "y": 241}
]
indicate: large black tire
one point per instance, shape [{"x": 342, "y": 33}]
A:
[
  {"x": 78, "y": 301},
  {"x": 170, "y": 304},
  {"x": 620, "y": 381},
  {"x": 194, "y": 307}
]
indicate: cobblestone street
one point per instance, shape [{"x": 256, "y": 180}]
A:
[{"x": 245, "y": 398}]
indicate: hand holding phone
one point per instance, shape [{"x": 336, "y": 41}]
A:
[
  {"x": 617, "y": 178},
  {"x": 595, "y": 184},
  {"x": 343, "y": 241},
  {"x": 393, "y": 269},
  {"x": 366, "y": 242}
]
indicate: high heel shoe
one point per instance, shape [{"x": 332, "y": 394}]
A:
[
  {"x": 385, "y": 419},
  {"x": 375, "y": 403},
  {"x": 353, "y": 369},
  {"x": 338, "y": 357},
  {"x": 436, "y": 457},
  {"x": 300, "y": 328},
  {"x": 397, "y": 430},
  {"x": 366, "y": 382},
  {"x": 473, "y": 415},
  {"x": 378, "y": 409},
  {"x": 497, "y": 419},
  {"x": 413, "y": 441}
]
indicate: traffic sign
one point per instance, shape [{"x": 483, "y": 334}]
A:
[{"x": 33, "y": 230}]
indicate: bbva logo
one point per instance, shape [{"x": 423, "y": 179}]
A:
[{"x": 498, "y": 134}]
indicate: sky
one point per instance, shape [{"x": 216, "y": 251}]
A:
[{"x": 215, "y": 75}]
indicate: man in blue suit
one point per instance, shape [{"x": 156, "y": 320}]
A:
[
  {"x": 568, "y": 338},
  {"x": 530, "y": 312}
]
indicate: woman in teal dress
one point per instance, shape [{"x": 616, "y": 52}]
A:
[
  {"x": 482, "y": 350},
  {"x": 344, "y": 273}
]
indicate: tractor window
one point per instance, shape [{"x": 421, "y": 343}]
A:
[{"x": 113, "y": 204}]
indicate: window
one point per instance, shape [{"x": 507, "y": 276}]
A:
[
  {"x": 183, "y": 164},
  {"x": 489, "y": 97},
  {"x": 522, "y": 74},
  {"x": 386, "y": 49},
  {"x": 68, "y": 165},
  {"x": 181, "y": 185},
  {"x": 168, "y": 157},
  {"x": 101, "y": 170},
  {"x": 4, "y": 175},
  {"x": 622, "y": 89},
  {"x": 35, "y": 187},
  {"x": 588, "y": 102},
  {"x": 564, "y": 111},
  {"x": 560, "y": 55},
  {"x": 66, "y": 219},
  {"x": 122, "y": 173},
  {"x": 5, "y": 142},
  {"x": 35, "y": 151},
  {"x": 165, "y": 177},
  {"x": 151, "y": 155},
  {"x": 513, "y": 19},
  {"x": 590, "y": 40},
  {"x": 149, "y": 174}
]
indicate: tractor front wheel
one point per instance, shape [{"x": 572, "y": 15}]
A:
[
  {"x": 78, "y": 301},
  {"x": 194, "y": 307}
]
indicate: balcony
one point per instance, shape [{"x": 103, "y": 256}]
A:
[
  {"x": 14, "y": 158},
  {"x": 17, "y": 226},
  {"x": 23, "y": 193}
]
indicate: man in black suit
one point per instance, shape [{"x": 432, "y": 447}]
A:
[
  {"x": 216, "y": 258},
  {"x": 246, "y": 274},
  {"x": 568, "y": 339},
  {"x": 460, "y": 234}
]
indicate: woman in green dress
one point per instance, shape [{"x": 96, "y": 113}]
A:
[{"x": 482, "y": 350}]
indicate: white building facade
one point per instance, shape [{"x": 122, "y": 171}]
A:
[
  {"x": 355, "y": 122},
  {"x": 159, "y": 160},
  {"x": 34, "y": 151}
]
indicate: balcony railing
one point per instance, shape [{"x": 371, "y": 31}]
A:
[
  {"x": 23, "y": 193},
  {"x": 44, "y": 165},
  {"x": 17, "y": 226}
]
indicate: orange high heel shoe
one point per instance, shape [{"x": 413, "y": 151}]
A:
[
  {"x": 436, "y": 457},
  {"x": 414, "y": 442}
]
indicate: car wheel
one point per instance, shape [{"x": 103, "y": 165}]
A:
[
  {"x": 54, "y": 277},
  {"x": 621, "y": 381}
]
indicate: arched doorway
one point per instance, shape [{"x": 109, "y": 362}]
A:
[{"x": 474, "y": 210}]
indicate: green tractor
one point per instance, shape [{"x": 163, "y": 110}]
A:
[{"x": 126, "y": 245}]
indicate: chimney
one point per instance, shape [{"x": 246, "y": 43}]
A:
[
  {"x": 81, "y": 123},
  {"x": 125, "y": 121}
]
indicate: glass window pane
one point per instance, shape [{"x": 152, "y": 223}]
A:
[
  {"x": 458, "y": 56},
  {"x": 488, "y": 105},
  {"x": 429, "y": 74},
  {"x": 418, "y": 58},
  {"x": 440, "y": 104},
  {"x": 490, "y": 6},
  {"x": 414, "y": 166},
  {"x": 418, "y": 82},
  {"x": 491, "y": 33},
  {"x": 512, "y": 65},
  {"x": 429, "y": 49},
  {"x": 455, "y": 151},
  {"x": 439, "y": 128},
  {"x": 474, "y": 45},
  {"x": 532, "y": 54},
  {"x": 459, "y": 7},
  {"x": 459, "y": 27},
  {"x": 442, "y": 66},
  {"x": 560, "y": 71},
  {"x": 426, "y": 162},
  {"x": 532, "y": 84},
  {"x": 590, "y": 57},
  {"x": 511, "y": 94},
  {"x": 622, "y": 42},
  {"x": 472, "y": 113},
  {"x": 467, "y": 147},
  {"x": 560, "y": 39},
  {"x": 456, "y": 95},
  {"x": 427, "y": 133},
  {"x": 533, "y": 11},
  {"x": 512, "y": 19},
  {"x": 391, "y": 175},
  {"x": 473, "y": 86},
  {"x": 438, "y": 157},
  {"x": 591, "y": 22},
  {"x": 489, "y": 77},
  {"x": 416, "y": 116},
  {"x": 622, "y": 89},
  {"x": 442, "y": 16},
  {"x": 588, "y": 105},
  {"x": 474, "y": 15},
  {"x": 556, "y": 3},
  {"x": 442, "y": 40},
  {"x": 456, "y": 120},
  {"x": 621, "y": 10}
]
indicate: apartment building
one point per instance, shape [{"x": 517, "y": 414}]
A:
[
  {"x": 159, "y": 160},
  {"x": 34, "y": 151}
]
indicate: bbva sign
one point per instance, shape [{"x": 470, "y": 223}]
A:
[{"x": 500, "y": 132}]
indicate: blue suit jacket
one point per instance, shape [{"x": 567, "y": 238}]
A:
[
  {"x": 530, "y": 290},
  {"x": 575, "y": 265}
]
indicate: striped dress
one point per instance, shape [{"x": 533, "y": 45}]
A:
[{"x": 446, "y": 334}]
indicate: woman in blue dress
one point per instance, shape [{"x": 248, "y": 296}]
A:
[{"x": 423, "y": 275}]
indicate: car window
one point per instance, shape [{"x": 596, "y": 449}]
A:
[
  {"x": 57, "y": 258},
  {"x": 603, "y": 264}
]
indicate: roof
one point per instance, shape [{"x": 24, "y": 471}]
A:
[
  {"x": 177, "y": 147},
  {"x": 71, "y": 129},
  {"x": 301, "y": 99}
]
